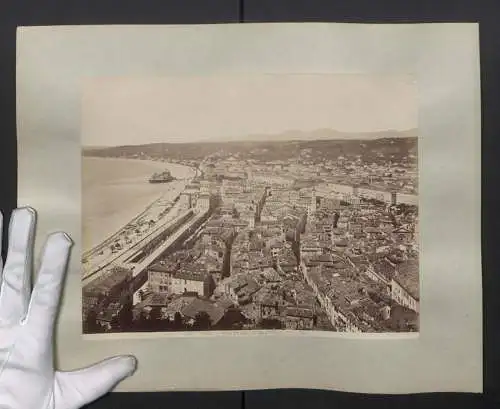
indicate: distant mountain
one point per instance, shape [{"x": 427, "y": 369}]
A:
[
  {"x": 328, "y": 144},
  {"x": 290, "y": 135},
  {"x": 328, "y": 134}
]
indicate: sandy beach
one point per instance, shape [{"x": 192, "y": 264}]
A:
[{"x": 114, "y": 191}]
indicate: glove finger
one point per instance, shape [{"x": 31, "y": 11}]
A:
[
  {"x": 46, "y": 294},
  {"x": 75, "y": 389},
  {"x": 16, "y": 282}
]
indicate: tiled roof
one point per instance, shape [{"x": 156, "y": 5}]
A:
[
  {"x": 197, "y": 305},
  {"x": 155, "y": 299},
  {"x": 179, "y": 303},
  {"x": 384, "y": 268},
  {"x": 191, "y": 275},
  {"x": 408, "y": 277}
]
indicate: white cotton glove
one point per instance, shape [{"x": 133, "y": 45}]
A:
[{"x": 27, "y": 376}]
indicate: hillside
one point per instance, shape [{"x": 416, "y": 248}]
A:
[
  {"x": 369, "y": 147},
  {"x": 329, "y": 134}
]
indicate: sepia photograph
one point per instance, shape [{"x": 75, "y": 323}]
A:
[
  {"x": 231, "y": 205},
  {"x": 265, "y": 202}
]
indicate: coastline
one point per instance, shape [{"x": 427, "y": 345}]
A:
[
  {"x": 104, "y": 212},
  {"x": 116, "y": 233}
]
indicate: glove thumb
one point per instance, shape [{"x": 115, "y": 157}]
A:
[{"x": 75, "y": 389}]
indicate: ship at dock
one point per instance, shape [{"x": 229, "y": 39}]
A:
[{"x": 161, "y": 177}]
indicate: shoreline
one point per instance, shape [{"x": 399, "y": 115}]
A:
[
  {"x": 112, "y": 237},
  {"x": 157, "y": 163},
  {"x": 118, "y": 219}
]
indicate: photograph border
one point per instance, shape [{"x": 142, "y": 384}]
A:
[
  {"x": 363, "y": 83},
  {"x": 52, "y": 62}
]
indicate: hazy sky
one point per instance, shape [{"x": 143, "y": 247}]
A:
[{"x": 120, "y": 111}]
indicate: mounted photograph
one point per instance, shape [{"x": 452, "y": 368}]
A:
[
  {"x": 266, "y": 202},
  {"x": 294, "y": 219}
]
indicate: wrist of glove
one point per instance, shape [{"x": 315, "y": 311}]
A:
[{"x": 28, "y": 379}]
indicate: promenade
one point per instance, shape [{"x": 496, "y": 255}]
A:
[{"x": 122, "y": 257}]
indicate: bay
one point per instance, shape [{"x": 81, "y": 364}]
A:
[{"x": 116, "y": 190}]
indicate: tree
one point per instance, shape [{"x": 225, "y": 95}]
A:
[
  {"x": 155, "y": 321},
  {"x": 115, "y": 323},
  {"x": 126, "y": 316},
  {"x": 155, "y": 314},
  {"x": 270, "y": 323},
  {"x": 142, "y": 322},
  {"x": 178, "y": 323},
  {"x": 233, "y": 319},
  {"x": 202, "y": 321},
  {"x": 90, "y": 325}
]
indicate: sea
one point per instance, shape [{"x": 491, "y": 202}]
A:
[{"x": 114, "y": 191}]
